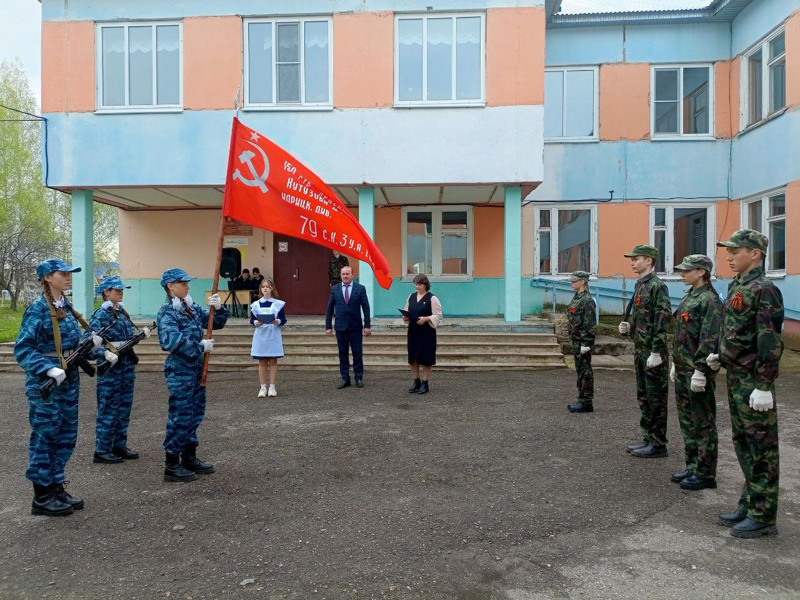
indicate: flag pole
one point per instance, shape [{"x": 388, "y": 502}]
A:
[{"x": 220, "y": 239}]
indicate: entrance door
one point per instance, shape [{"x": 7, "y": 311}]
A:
[{"x": 301, "y": 275}]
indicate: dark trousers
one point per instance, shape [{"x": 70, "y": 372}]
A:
[{"x": 347, "y": 339}]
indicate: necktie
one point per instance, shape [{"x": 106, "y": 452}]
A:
[{"x": 347, "y": 294}]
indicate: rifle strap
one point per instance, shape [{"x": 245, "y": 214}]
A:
[
  {"x": 57, "y": 336},
  {"x": 88, "y": 327}
]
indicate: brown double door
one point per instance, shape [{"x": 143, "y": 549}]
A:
[{"x": 301, "y": 275}]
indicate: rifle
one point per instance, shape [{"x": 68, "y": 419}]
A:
[
  {"x": 78, "y": 357},
  {"x": 125, "y": 349}
]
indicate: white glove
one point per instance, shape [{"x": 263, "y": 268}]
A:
[
  {"x": 58, "y": 374},
  {"x": 146, "y": 332},
  {"x": 761, "y": 400},
  {"x": 672, "y": 373},
  {"x": 107, "y": 304},
  {"x": 698, "y": 383},
  {"x": 585, "y": 349},
  {"x": 208, "y": 345},
  {"x": 215, "y": 301},
  {"x": 654, "y": 360},
  {"x": 624, "y": 328},
  {"x": 712, "y": 360},
  {"x": 110, "y": 357},
  {"x": 97, "y": 341}
]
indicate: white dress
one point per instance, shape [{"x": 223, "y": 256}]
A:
[{"x": 267, "y": 340}]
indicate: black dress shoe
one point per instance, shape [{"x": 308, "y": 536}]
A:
[
  {"x": 681, "y": 475},
  {"x": 46, "y": 503},
  {"x": 107, "y": 458},
  {"x": 698, "y": 483},
  {"x": 343, "y": 384},
  {"x": 651, "y": 451},
  {"x": 415, "y": 386},
  {"x": 60, "y": 492},
  {"x": 753, "y": 529},
  {"x": 125, "y": 453},
  {"x": 423, "y": 388},
  {"x": 729, "y": 519},
  {"x": 636, "y": 446},
  {"x": 359, "y": 383},
  {"x": 580, "y": 407}
]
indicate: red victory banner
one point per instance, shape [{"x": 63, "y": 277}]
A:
[{"x": 267, "y": 187}]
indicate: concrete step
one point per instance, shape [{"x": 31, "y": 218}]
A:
[{"x": 605, "y": 345}]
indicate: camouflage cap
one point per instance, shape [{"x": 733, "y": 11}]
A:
[
  {"x": 112, "y": 282},
  {"x": 52, "y": 265},
  {"x": 579, "y": 275},
  {"x": 643, "y": 250},
  {"x": 173, "y": 275},
  {"x": 746, "y": 238},
  {"x": 695, "y": 261}
]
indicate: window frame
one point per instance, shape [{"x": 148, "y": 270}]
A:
[
  {"x": 711, "y": 103},
  {"x": 285, "y": 106},
  {"x": 436, "y": 246},
  {"x": 596, "y": 126},
  {"x": 764, "y": 198},
  {"x": 424, "y": 103},
  {"x": 136, "y": 108},
  {"x": 669, "y": 245},
  {"x": 761, "y": 45},
  {"x": 593, "y": 238}
]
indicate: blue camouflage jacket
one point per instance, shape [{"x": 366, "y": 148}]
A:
[
  {"x": 121, "y": 331},
  {"x": 180, "y": 334},
  {"x": 35, "y": 348}
]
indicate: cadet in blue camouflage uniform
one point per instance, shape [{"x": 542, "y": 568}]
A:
[
  {"x": 750, "y": 350},
  {"x": 115, "y": 386},
  {"x": 582, "y": 328},
  {"x": 40, "y": 350},
  {"x": 697, "y": 325},
  {"x": 181, "y": 324},
  {"x": 650, "y": 316}
]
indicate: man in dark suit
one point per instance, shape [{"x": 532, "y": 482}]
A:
[{"x": 349, "y": 299}]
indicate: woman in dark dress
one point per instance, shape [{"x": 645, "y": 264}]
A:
[{"x": 426, "y": 315}]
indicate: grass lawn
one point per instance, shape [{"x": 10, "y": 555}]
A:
[{"x": 9, "y": 323}]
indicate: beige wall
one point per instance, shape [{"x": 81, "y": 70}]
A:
[{"x": 151, "y": 242}]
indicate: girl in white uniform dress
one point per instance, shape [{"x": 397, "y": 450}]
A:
[{"x": 267, "y": 316}]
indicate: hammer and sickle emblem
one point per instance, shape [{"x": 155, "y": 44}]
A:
[{"x": 246, "y": 158}]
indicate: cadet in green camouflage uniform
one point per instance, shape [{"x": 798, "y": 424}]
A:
[
  {"x": 697, "y": 324},
  {"x": 582, "y": 325},
  {"x": 750, "y": 350},
  {"x": 650, "y": 313}
]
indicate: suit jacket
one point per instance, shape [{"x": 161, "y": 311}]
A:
[{"x": 348, "y": 316}]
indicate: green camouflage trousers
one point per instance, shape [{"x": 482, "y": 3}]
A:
[
  {"x": 755, "y": 439},
  {"x": 583, "y": 367},
  {"x": 651, "y": 392},
  {"x": 697, "y": 414}
]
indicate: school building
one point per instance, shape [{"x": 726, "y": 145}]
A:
[{"x": 485, "y": 143}]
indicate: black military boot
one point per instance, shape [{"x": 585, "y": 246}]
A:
[
  {"x": 125, "y": 453},
  {"x": 729, "y": 519},
  {"x": 635, "y": 446},
  {"x": 190, "y": 461},
  {"x": 47, "y": 504},
  {"x": 580, "y": 407},
  {"x": 59, "y": 491},
  {"x": 681, "y": 475},
  {"x": 423, "y": 388},
  {"x": 415, "y": 386},
  {"x": 698, "y": 483},
  {"x": 175, "y": 472},
  {"x": 651, "y": 451},
  {"x": 106, "y": 458},
  {"x": 748, "y": 528}
]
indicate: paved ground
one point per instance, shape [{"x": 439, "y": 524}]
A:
[{"x": 486, "y": 488}]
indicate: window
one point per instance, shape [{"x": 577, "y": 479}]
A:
[
  {"x": 764, "y": 79},
  {"x": 570, "y": 104},
  {"x": 767, "y": 214},
  {"x": 439, "y": 60},
  {"x": 288, "y": 63},
  {"x": 139, "y": 66},
  {"x": 682, "y": 101},
  {"x": 438, "y": 242},
  {"x": 566, "y": 240},
  {"x": 680, "y": 230}
]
